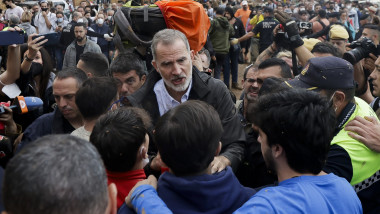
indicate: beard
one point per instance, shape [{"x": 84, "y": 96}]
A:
[
  {"x": 79, "y": 39},
  {"x": 178, "y": 88},
  {"x": 269, "y": 161}
]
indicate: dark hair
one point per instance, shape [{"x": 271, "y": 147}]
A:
[
  {"x": 372, "y": 27},
  {"x": 126, "y": 62},
  {"x": 286, "y": 72},
  {"x": 81, "y": 24},
  {"x": 47, "y": 68},
  {"x": 326, "y": 47},
  {"x": 96, "y": 62},
  {"x": 302, "y": 12},
  {"x": 95, "y": 96},
  {"x": 56, "y": 174},
  {"x": 301, "y": 121},
  {"x": 75, "y": 73},
  {"x": 219, "y": 11},
  {"x": 118, "y": 135},
  {"x": 59, "y": 12},
  {"x": 230, "y": 11},
  {"x": 188, "y": 136},
  {"x": 53, "y": 10},
  {"x": 322, "y": 13}
]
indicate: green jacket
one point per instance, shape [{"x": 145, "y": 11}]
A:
[{"x": 220, "y": 32}]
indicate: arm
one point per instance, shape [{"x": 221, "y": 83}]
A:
[
  {"x": 303, "y": 55},
  {"x": 47, "y": 21},
  {"x": 33, "y": 46},
  {"x": 143, "y": 198},
  {"x": 266, "y": 54},
  {"x": 320, "y": 33},
  {"x": 13, "y": 71},
  {"x": 246, "y": 36}
]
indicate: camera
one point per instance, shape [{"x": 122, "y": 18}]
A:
[
  {"x": 305, "y": 25},
  {"x": 360, "y": 49}
]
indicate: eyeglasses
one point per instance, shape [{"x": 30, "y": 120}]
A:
[{"x": 116, "y": 102}]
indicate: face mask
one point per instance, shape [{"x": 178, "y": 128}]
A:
[
  {"x": 80, "y": 20},
  {"x": 36, "y": 69},
  {"x": 302, "y": 9},
  {"x": 348, "y": 6},
  {"x": 44, "y": 9},
  {"x": 60, "y": 19},
  {"x": 8, "y": 6},
  {"x": 109, "y": 18},
  {"x": 100, "y": 21},
  {"x": 145, "y": 160}
]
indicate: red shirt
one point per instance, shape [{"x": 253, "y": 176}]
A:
[{"x": 124, "y": 182}]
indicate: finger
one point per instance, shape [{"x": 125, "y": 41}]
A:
[
  {"x": 37, "y": 39},
  {"x": 41, "y": 43},
  {"x": 357, "y": 130},
  {"x": 152, "y": 181},
  {"x": 371, "y": 119},
  {"x": 279, "y": 18},
  {"x": 373, "y": 56},
  {"x": 214, "y": 169},
  {"x": 356, "y": 137}
]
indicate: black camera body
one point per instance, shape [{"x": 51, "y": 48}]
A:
[
  {"x": 305, "y": 25},
  {"x": 361, "y": 49}
]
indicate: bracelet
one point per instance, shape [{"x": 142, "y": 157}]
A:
[{"x": 28, "y": 59}]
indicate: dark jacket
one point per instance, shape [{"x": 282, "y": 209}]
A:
[
  {"x": 103, "y": 43},
  {"x": 51, "y": 123},
  {"x": 211, "y": 91}
]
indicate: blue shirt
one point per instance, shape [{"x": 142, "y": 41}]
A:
[
  {"x": 164, "y": 100},
  {"x": 305, "y": 194}
]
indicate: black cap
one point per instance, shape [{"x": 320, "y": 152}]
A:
[
  {"x": 325, "y": 73},
  {"x": 334, "y": 14},
  {"x": 363, "y": 16},
  {"x": 268, "y": 9}
]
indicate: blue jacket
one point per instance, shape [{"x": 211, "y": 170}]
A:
[
  {"x": 216, "y": 193},
  {"x": 103, "y": 43}
]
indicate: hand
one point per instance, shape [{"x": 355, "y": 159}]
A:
[
  {"x": 369, "y": 63},
  {"x": 219, "y": 164},
  {"x": 108, "y": 37},
  {"x": 243, "y": 50},
  {"x": 197, "y": 62},
  {"x": 366, "y": 130},
  {"x": 156, "y": 163},
  {"x": 16, "y": 28},
  {"x": 290, "y": 26},
  {"x": 234, "y": 41},
  {"x": 34, "y": 45},
  {"x": 43, "y": 13},
  {"x": 7, "y": 119},
  {"x": 150, "y": 181},
  {"x": 213, "y": 58}
]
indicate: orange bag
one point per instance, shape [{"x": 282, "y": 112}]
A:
[{"x": 189, "y": 17}]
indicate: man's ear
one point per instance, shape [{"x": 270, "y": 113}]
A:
[
  {"x": 339, "y": 99},
  {"x": 192, "y": 54},
  {"x": 277, "y": 151},
  {"x": 143, "y": 78},
  {"x": 218, "y": 149},
  {"x": 154, "y": 65},
  {"x": 112, "y": 199}
]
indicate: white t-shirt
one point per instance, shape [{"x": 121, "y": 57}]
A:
[
  {"x": 39, "y": 22},
  {"x": 13, "y": 11}
]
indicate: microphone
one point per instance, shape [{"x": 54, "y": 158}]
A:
[{"x": 24, "y": 104}]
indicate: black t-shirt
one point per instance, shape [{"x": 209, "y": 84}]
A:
[
  {"x": 265, "y": 28},
  {"x": 79, "y": 50}
]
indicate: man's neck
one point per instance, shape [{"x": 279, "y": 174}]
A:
[
  {"x": 83, "y": 42},
  {"x": 284, "y": 172},
  {"x": 13, "y": 5},
  {"x": 76, "y": 122},
  {"x": 89, "y": 124}
]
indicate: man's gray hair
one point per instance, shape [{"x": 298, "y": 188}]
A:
[
  {"x": 56, "y": 174},
  {"x": 76, "y": 14},
  {"x": 168, "y": 37},
  {"x": 14, "y": 20}
]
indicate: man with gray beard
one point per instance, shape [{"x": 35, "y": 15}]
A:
[{"x": 177, "y": 81}]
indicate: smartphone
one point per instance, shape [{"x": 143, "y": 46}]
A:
[
  {"x": 53, "y": 38},
  {"x": 11, "y": 37}
]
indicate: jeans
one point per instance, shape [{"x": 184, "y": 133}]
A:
[
  {"x": 231, "y": 65},
  {"x": 59, "y": 58},
  {"x": 219, "y": 64}
]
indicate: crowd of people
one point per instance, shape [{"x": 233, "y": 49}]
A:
[{"x": 157, "y": 129}]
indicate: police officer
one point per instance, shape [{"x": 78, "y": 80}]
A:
[{"x": 265, "y": 28}]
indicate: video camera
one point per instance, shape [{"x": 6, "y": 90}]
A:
[
  {"x": 361, "y": 49},
  {"x": 305, "y": 25}
]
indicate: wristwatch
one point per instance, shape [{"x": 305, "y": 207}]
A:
[{"x": 28, "y": 59}]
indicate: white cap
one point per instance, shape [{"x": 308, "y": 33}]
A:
[{"x": 244, "y": 3}]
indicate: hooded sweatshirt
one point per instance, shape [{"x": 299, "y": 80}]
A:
[
  {"x": 28, "y": 28},
  {"x": 216, "y": 193},
  {"x": 220, "y": 31}
]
